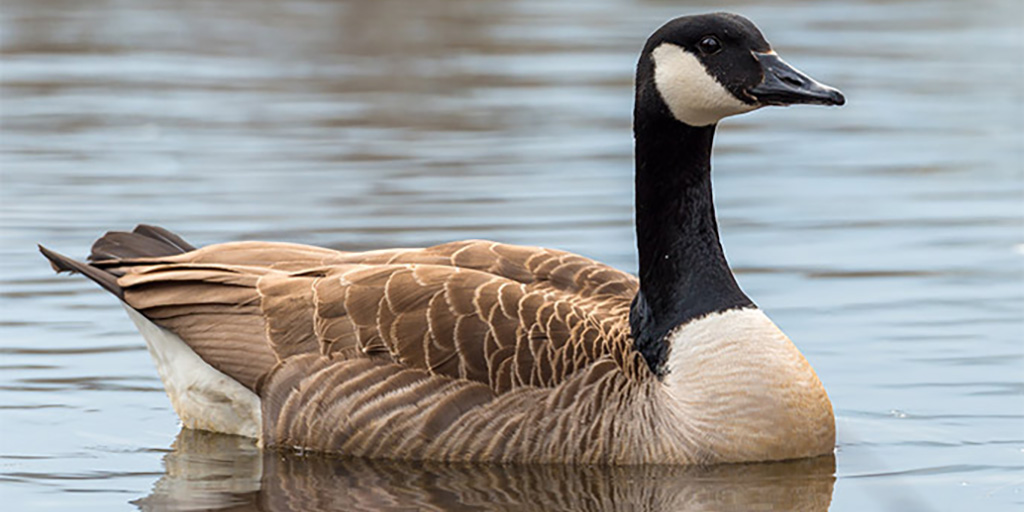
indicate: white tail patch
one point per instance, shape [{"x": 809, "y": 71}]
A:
[
  {"x": 691, "y": 93},
  {"x": 203, "y": 397}
]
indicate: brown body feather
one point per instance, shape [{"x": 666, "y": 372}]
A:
[{"x": 471, "y": 350}]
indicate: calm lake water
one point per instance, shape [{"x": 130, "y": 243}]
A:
[{"x": 885, "y": 237}]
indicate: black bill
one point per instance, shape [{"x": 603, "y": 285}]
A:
[{"x": 785, "y": 85}]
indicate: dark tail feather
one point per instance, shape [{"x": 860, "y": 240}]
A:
[
  {"x": 62, "y": 263},
  {"x": 162, "y": 234},
  {"x": 144, "y": 242},
  {"x": 112, "y": 248}
]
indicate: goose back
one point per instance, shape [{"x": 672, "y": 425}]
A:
[{"x": 501, "y": 315}]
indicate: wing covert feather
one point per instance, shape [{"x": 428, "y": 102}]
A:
[{"x": 501, "y": 315}]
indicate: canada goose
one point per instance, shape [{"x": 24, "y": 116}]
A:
[{"x": 481, "y": 351}]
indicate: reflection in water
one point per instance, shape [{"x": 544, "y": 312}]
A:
[{"x": 217, "y": 472}]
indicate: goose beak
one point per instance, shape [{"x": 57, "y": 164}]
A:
[{"x": 785, "y": 85}]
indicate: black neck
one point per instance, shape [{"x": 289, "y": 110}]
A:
[{"x": 683, "y": 272}]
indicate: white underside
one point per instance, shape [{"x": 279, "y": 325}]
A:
[{"x": 203, "y": 397}]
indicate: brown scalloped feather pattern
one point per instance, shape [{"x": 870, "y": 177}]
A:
[
  {"x": 439, "y": 353},
  {"x": 372, "y": 407}
]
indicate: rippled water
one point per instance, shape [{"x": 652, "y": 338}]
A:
[{"x": 885, "y": 237}]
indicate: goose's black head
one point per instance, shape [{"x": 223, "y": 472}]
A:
[{"x": 700, "y": 69}]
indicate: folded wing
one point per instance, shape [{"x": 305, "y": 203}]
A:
[{"x": 501, "y": 315}]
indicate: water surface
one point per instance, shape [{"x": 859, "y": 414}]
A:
[{"x": 886, "y": 237}]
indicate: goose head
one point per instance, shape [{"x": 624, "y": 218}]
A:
[{"x": 701, "y": 69}]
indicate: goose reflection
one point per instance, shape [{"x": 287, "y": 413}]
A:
[{"x": 205, "y": 471}]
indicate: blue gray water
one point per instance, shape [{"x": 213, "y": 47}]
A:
[{"x": 885, "y": 237}]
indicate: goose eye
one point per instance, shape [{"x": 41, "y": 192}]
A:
[{"x": 709, "y": 45}]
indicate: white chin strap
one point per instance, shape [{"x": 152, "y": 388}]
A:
[{"x": 691, "y": 93}]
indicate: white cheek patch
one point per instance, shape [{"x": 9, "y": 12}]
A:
[{"x": 693, "y": 95}]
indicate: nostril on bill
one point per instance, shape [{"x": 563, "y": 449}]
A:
[{"x": 791, "y": 80}]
